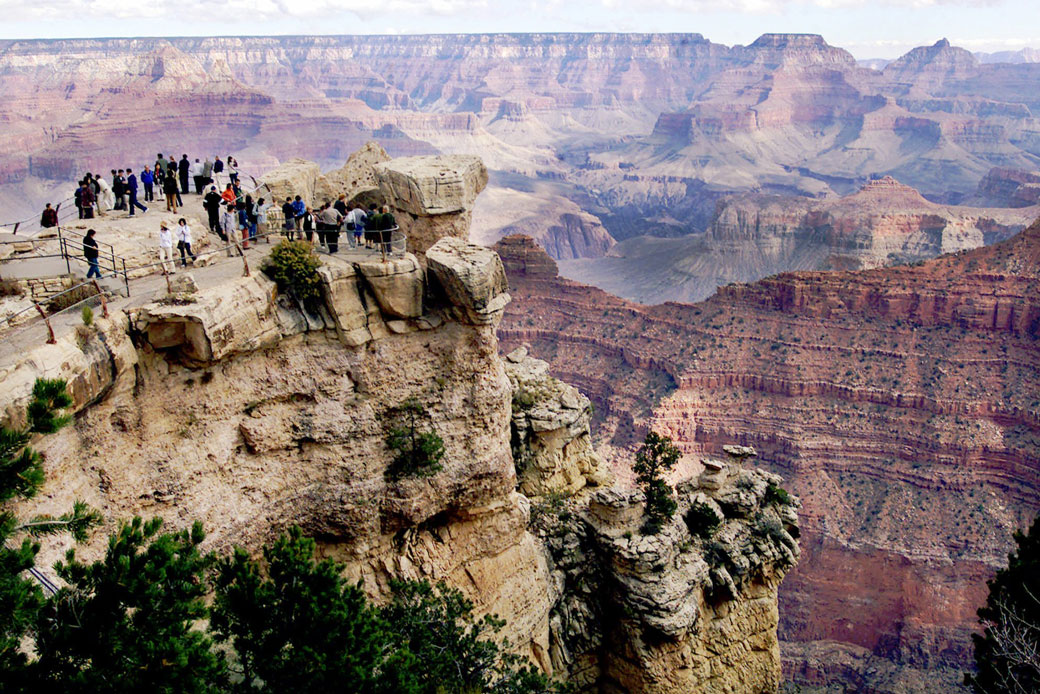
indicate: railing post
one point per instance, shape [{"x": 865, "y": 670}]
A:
[
  {"x": 104, "y": 302},
  {"x": 126, "y": 278},
  {"x": 64, "y": 251},
  {"x": 245, "y": 266},
  {"x": 51, "y": 340}
]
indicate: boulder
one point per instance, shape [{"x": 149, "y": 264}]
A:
[
  {"x": 236, "y": 317},
  {"x": 472, "y": 278},
  {"x": 431, "y": 196},
  {"x": 397, "y": 284},
  {"x": 356, "y": 175},
  {"x": 432, "y": 185},
  {"x": 342, "y": 291}
]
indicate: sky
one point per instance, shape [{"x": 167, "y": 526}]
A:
[{"x": 867, "y": 28}]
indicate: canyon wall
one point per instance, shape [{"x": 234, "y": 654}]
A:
[
  {"x": 900, "y": 404},
  {"x": 754, "y": 235}
]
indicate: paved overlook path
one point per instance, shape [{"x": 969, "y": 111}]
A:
[{"x": 19, "y": 340}]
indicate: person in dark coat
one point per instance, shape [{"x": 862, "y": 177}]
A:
[
  {"x": 387, "y": 224},
  {"x": 49, "y": 218},
  {"x": 118, "y": 190},
  {"x": 170, "y": 188},
  {"x": 86, "y": 201},
  {"x": 90, "y": 252},
  {"x": 182, "y": 170},
  {"x": 211, "y": 202},
  {"x": 131, "y": 190}
]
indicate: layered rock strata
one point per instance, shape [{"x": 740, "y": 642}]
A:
[
  {"x": 234, "y": 405},
  {"x": 899, "y": 403}
]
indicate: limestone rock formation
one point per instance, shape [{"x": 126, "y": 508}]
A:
[
  {"x": 690, "y": 609},
  {"x": 305, "y": 178},
  {"x": 754, "y": 235},
  {"x": 432, "y": 196},
  {"x": 552, "y": 446},
  {"x": 471, "y": 277}
]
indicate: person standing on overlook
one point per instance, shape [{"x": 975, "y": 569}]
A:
[
  {"x": 171, "y": 170},
  {"x": 184, "y": 241},
  {"x": 232, "y": 169},
  {"x": 119, "y": 190},
  {"x": 166, "y": 250},
  {"x": 49, "y": 218},
  {"x": 159, "y": 173},
  {"x": 218, "y": 168},
  {"x": 196, "y": 176},
  {"x": 131, "y": 189},
  {"x": 86, "y": 201},
  {"x": 148, "y": 181},
  {"x": 212, "y": 204},
  {"x": 170, "y": 188},
  {"x": 356, "y": 219},
  {"x": 299, "y": 207},
  {"x": 90, "y": 252},
  {"x": 183, "y": 167},
  {"x": 106, "y": 200},
  {"x": 207, "y": 172}
]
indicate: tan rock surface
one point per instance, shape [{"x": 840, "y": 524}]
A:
[
  {"x": 552, "y": 447},
  {"x": 432, "y": 196},
  {"x": 471, "y": 277}
]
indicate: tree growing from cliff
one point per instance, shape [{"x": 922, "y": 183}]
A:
[
  {"x": 417, "y": 453},
  {"x": 21, "y": 475},
  {"x": 1007, "y": 654},
  {"x": 297, "y": 625},
  {"x": 654, "y": 459}
]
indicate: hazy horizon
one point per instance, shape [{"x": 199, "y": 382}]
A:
[{"x": 867, "y": 29}]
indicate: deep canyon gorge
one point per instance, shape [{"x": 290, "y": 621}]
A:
[{"x": 771, "y": 245}]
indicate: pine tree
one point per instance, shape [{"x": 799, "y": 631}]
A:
[
  {"x": 654, "y": 458},
  {"x": 295, "y": 623},
  {"x": 1007, "y": 654},
  {"x": 126, "y": 622},
  {"x": 21, "y": 475}
]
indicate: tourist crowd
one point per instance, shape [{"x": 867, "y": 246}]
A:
[{"x": 233, "y": 214}]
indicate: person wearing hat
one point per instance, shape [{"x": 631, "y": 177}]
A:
[{"x": 166, "y": 249}]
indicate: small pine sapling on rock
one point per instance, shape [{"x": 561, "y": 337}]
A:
[{"x": 654, "y": 459}]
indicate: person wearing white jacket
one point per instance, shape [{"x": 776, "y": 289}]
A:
[
  {"x": 184, "y": 241},
  {"x": 105, "y": 199},
  {"x": 166, "y": 249}
]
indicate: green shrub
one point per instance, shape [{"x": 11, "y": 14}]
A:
[
  {"x": 702, "y": 520},
  {"x": 416, "y": 453},
  {"x": 523, "y": 399},
  {"x": 777, "y": 496},
  {"x": 88, "y": 315},
  {"x": 293, "y": 266}
]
